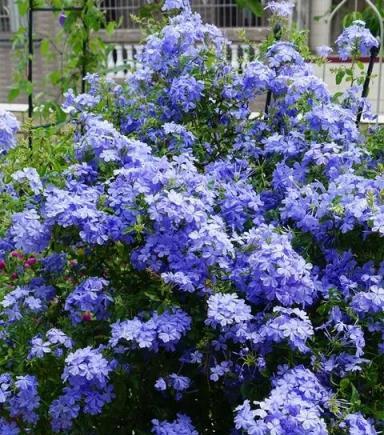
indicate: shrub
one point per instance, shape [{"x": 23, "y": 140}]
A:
[{"x": 197, "y": 269}]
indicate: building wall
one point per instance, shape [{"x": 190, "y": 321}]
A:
[
  {"x": 7, "y": 65},
  {"x": 44, "y": 25}
]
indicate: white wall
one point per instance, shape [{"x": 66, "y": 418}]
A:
[{"x": 375, "y": 85}]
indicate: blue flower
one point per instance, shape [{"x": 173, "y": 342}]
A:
[
  {"x": 219, "y": 370},
  {"x": 181, "y": 426},
  {"x": 295, "y": 405},
  {"x": 162, "y": 330},
  {"x": 8, "y": 428},
  {"x": 90, "y": 296},
  {"x": 356, "y": 424},
  {"x": 55, "y": 263},
  {"x": 280, "y": 8},
  {"x": 28, "y": 233},
  {"x": 292, "y": 325},
  {"x": 368, "y": 302},
  {"x": 185, "y": 92},
  {"x": 25, "y": 400},
  {"x": 56, "y": 342},
  {"x": 175, "y": 4},
  {"x": 87, "y": 373},
  {"x": 355, "y": 40},
  {"x": 227, "y": 309},
  {"x": 31, "y": 176},
  {"x": 269, "y": 269},
  {"x": 9, "y": 126}
]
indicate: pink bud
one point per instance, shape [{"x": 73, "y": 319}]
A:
[
  {"x": 30, "y": 262},
  {"x": 87, "y": 316},
  {"x": 2, "y": 264}
]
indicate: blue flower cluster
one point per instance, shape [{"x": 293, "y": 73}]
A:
[
  {"x": 20, "y": 396},
  {"x": 355, "y": 39},
  {"x": 269, "y": 269},
  {"x": 89, "y": 297},
  {"x": 87, "y": 374},
  {"x": 56, "y": 343},
  {"x": 181, "y": 426},
  {"x": 294, "y": 406},
  {"x": 227, "y": 309},
  {"x": 32, "y": 298},
  {"x": 31, "y": 176},
  {"x": 161, "y": 330},
  {"x": 9, "y": 126},
  {"x": 195, "y": 257},
  {"x": 280, "y": 8}
]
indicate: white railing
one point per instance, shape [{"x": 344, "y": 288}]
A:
[{"x": 124, "y": 56}]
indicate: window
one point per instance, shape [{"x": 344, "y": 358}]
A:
[
  {"x": 9, "y": 16},
  {"x": 5, "y": 21}
]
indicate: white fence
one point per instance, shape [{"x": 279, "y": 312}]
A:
[{"x": 124, "y": 56}]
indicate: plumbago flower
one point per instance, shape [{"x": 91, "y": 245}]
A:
[
  {"x": 355, "y": 40},
  {"x": 194, "y": 259},
  {"x": 87, "y": 374},
  {"x": 269, "y": 269},
  {"x": 89, "y": 297},
  {"x": 163, "y": 330},
  {"x": 280, "y": 8},
  {"x": 56, "y": 342},
  {"x": 357, "y": 424},
  {"x": 182, "y": 425},
  {"x": 31, "y": 176},
  {"x": 31, "y": 298},
  {"x": 294, "y": 406},
  {"x": 20, "y": 397},
  {"x": 227, "y": 309},
  {"x": 9, "y": 126},
  {"x": 28, "y": 233},
  {"x": 175, "y": 382}
]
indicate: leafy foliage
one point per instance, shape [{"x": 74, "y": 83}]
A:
[{"x": 76, "y": 48}]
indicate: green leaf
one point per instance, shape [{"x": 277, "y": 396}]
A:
[
  {"x": 254, "y": 6},
  {"x": 44, "y": 47},
  {"x": 110, "y": 27},
  {"x": 379, "y": 414},
  {"x": 360, "y": 65},
  {"x": 339, "y": 76},
  {"x": 28, "y": 87},
  {"x": 344, "y": 384},
  {"x": 55, "y": 77},
  {"x": 13, "y": 93},
  {"x": 23, "y": 7}
]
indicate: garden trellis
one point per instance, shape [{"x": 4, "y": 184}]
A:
[{"x": 31, "y": 11}]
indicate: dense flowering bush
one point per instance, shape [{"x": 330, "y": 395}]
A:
[{"x": 196, "y": 269}]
